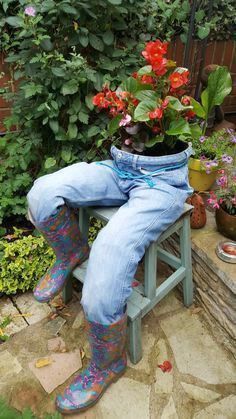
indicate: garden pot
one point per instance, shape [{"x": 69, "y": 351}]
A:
[
  {"x": 198, "y": 178},
  {"x": 226, "y": 223}
]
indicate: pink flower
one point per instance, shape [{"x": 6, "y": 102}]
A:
[
  {"x": 125, "y": 120},
  {"x": 30, "y": 11}
]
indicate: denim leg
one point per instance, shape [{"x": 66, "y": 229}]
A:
[
  {"x": 80, "y": 184},
  {"x": 121, "y": 245}
]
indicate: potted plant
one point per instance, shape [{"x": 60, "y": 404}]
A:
[
  {"x": 203, "y": 166},
  {"x": 223, "y": 199},
  {"x": 210, "y": 153},
  {"x": 150, "y": 113}
]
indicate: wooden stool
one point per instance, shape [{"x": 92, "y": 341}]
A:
[{"x": 145, "y": 297}]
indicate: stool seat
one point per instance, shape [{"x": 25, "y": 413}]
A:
[{"x": 145, "y": 296}]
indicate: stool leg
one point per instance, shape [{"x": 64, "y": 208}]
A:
[
  {"x": 135, "y": 340},
  {"x": 150, "y": 272},
  {"x": 67, "y": 291},
  {"x": 186, "y": 259}
]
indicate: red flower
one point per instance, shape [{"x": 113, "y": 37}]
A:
[
  {"x": 98, "y": 99},
  {"x": 165, "y": 103},
  {"x": 185, "y": 100},
  {"x": 157, "y": 113},
  {"x": 159, "y": 65},
  {"x": 156, "y": 129},
  {"x": 178, "y": 79},
  {"x": 135, "y": 102},
  {"x": 190, "y": 114},
  {"x": 135, "y": 75},
  {"x": 147, "y": 79},
  {"x": 166, "y": 366},
  {"x": 154, "y": 49}
]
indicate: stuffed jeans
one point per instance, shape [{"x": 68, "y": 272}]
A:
[{"x": 151, "y": 192}]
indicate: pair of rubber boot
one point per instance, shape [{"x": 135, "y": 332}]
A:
[{"x": 107, "y": 342}]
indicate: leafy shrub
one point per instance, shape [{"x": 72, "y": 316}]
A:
[
  {"x": 59, "y": 58},
  {"x": 23, "y": 262}
]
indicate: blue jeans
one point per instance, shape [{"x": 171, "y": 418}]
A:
[{"x": 145, "y": 212}]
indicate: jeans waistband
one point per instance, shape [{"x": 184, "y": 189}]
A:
[{"x": 135, "y": 160}]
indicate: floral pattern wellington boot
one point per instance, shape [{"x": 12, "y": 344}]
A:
[
  {"x": 107, "y": 364},
  {"x": 63, "y": 234}
]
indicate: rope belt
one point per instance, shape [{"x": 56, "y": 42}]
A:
[{"x": 123, "y": 174}]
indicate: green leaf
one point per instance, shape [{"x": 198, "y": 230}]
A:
[
  {"x": 70, "y": 87},
  {"x": 196, "y": 131},
  {"x": 66, "y": 155},
  {"x": 31, "y": 89},
  {"x": 50, "y": 162},
  {"x": 96, "y": 42},
  {"x": 218, "y": 87},
  {"x": 68, "y": 9},
  {"x": 179, "y": 127},
  {"x": 83, "y": 39},
  {"x": 203, "y": 32},
  {"x": 108, "y": 38},
  {"x": 58, "y": 71},
  {"x": 141, "y": 113},
  {"x": 94, "y": 130},
  {"x": 72, "y": 131},
  {"x": 199, "y": 15},
  {"x": 15, "y": 21},
  {"x": 83, "y": 117},
  {"x": 175, "y": 104},
  {"x": 145, "y": 95},
  {"x": 155, "y": 140},
  {"x": 115, "y": 2},
  {"x": 197, "y": 108},
  {"x": 89, "y": 101},
  {"x": 114, "y": 124},
  {"x": 147, "y": 69},
  {"x": 53, "y": 123}
]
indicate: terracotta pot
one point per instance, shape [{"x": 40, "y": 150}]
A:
[
  {"x": 198, "y": 178},
  {"x": 226, "y": 223}
]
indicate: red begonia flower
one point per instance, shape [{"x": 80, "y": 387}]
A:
[{"x": 157, "y": 113}]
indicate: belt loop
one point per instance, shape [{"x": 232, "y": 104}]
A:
[{"x": 135, "y": 160}]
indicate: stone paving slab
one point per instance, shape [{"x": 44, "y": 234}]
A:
[
  {"x": 7, "y": 308},
  {"x": 195, "y": 351},
  {"x": 200, "y": 394},
  {"x": 169, "y": 411},
  {"x": 224, "y": 409},
  {"x": 9, "y": 365},
  {"x": 62, "y": 367},
  {"x": 28, "y": 305},
  {"x": 164, "y": 381},
  {"x": 126, "y": 399}
]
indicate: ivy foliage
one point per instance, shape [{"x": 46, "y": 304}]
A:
[{"x": 7, "y": 412}]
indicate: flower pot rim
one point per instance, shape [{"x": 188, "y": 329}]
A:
[{"x": 196, "y": 164}]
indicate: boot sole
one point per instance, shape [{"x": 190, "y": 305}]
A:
[
  {"x": 82, "y": 409},
  {"x": 66, "y": 280}
]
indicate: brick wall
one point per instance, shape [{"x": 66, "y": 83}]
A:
[
  {"x": 217, "y": 52},
  {"x": 5, "y": 107}
]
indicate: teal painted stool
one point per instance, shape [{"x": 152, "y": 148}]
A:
[{"x": 145, "y": 297}]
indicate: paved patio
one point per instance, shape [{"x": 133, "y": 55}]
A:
[{"x": 201, "y": 384}]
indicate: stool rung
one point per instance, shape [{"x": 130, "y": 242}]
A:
[{"x": 168, "y": 258}]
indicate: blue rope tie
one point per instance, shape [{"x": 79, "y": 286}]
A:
[{"x": 123, "y": 174}]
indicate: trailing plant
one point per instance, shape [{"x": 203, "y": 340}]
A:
[
  {"x": 224, "y": 195},
  {"x": 215, "y": 150}
]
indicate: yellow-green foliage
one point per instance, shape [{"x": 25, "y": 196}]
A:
[{"x": 23, "y": 262}]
